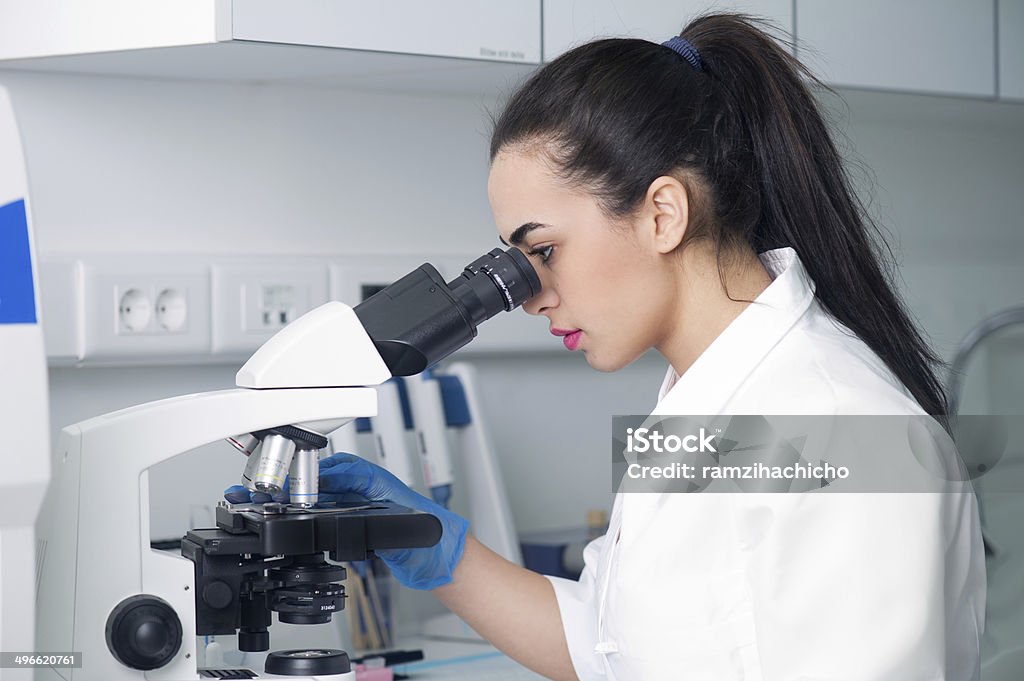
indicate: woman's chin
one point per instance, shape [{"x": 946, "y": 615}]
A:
[
  {"x": 610, "y": 362},
  {"x": 603, "y": 362}
]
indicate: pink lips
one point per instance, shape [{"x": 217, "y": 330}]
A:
[{"x": 570, "y": 337}]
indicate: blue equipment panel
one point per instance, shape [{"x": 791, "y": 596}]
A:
[{"x": 17, "y": 292}]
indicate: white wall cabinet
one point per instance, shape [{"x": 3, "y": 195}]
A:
[
  {"x": 44, "y": 28},
  {"x": 1011, "y": 49},
  {"x": 440, "y": 45},
  {"x": 466, "y": 29},
  {"x": 479, "y": 46},
  {"x": 933, "y": 46},
  {"x": 569, "y": 22}
]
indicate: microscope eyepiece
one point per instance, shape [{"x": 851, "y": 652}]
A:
[
  {"x": 419, "y": 320},
  {"x": 495, "y": 282}
]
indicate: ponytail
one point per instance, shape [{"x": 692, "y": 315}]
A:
[{"x": 738, "y": 125}]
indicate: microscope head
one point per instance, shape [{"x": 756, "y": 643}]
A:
[{"x": 401, "y": 330}]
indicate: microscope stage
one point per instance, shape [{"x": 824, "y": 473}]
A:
[{"x": 349, "y": 531}]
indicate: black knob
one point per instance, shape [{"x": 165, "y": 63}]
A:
[
  {"x": 253, "y": 641},
  {"x": 217, "y": 595},
  {"x": 143, "y": 632}
]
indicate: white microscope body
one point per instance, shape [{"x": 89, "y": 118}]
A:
[
  {"x": 132, "y": 611},
  {"x": 96, "y": 526}
]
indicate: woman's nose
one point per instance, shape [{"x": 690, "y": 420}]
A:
[{"x": 541, "y": 302}]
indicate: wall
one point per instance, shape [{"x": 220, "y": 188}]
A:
[
  {"x": 134, "y": 166},
  {"x": 946, "y": 177},
  {"x": 121, "y": 165}
]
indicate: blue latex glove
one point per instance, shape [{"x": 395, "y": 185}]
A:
[
  {"x": 345, "y": 475},
  {"x": 237, "y": 494}
]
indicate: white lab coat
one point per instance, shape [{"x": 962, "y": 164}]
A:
[{"x": 759, "y": 586}]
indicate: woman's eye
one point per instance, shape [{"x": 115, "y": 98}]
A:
[{"x": 544, "y": 253}]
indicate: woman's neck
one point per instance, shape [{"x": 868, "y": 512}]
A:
[{"x": 703, "y": 308}]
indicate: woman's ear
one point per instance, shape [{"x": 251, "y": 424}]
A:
[{"x": 668, "y": 208}]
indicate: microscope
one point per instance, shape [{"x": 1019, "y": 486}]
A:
[{"x": 135, "y": 612}]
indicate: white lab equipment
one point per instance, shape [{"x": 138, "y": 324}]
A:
[
  {"x": 439, "y": 403},
  {"x": 450, "y": 401},
  {"x": 439, "y": 406},
  {"x": 24, "y": 410},
  {"x": 388, "y": 427},
  {"x": 429, "y": 422},
  {"x": 135, "y": 612},
  {"x": 436, "y": 405},
  {"x": 487, "y": 500}
]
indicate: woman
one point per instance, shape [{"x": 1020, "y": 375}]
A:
[{"x": 659, "y": 190}]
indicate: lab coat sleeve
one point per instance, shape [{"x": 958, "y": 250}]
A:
[
  {"x": 578, "y": 603},
  {"x": 864, "y": 586}
]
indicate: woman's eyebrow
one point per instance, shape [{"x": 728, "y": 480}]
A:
[{"x": 517, "y": 236}]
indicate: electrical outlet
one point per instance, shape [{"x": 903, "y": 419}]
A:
[
  {"x": 253, "y": 299},
  {"x": 276, "y": 306},
  {"x": 145, "y": 306},
  {"x": 134, "y": 310},
  {"x": 157, "y": 309}
]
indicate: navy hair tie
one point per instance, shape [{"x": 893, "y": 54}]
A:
[{"x": 685, "y": 49}]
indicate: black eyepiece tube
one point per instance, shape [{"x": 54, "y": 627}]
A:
[{"x": 419, "y": 320}]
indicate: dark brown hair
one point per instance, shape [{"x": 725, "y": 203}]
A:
[{"x": 752, "y": 147}]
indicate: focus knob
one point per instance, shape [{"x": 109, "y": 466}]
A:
[
  {"x": 217, "y": 595},
  {"x": 143, "y": 632}
]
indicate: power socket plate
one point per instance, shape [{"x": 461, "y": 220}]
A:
[
  {"x": 253, "y": 300},
  {"x": 179, "y": 324}
]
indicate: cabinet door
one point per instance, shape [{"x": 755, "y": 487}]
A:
[
  {"x": 940, "y": 46},
  {"x": 470, "y": 29},
  {"x": 30, "y": 28},
  {"x": 1011, "y": 49},
  {"x": 570, "y": 22}
]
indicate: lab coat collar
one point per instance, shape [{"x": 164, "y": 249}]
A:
[{"x": 705, "y": 388}]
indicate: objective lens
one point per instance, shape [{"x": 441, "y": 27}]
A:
[
  {"x": 245, "y": 443},
  {"x": 304, "y": 478},
  {"x": 252, "y": 465},
  {"x": 276, "y": 458}
]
